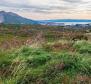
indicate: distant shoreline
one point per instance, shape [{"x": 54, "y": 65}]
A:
[{"x": 73, "y": 23}]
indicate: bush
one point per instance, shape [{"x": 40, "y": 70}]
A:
[
  {"x": 83, "y": 47},
  {"x": 38, "y": 60}
]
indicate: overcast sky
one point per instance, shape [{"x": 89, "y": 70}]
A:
[{"x": 49, "y": 9}]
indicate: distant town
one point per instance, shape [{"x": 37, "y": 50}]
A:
[{"x": 69, "y": 24}]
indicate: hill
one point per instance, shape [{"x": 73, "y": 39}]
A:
[
  {"x": 67, "y": 20},
  {"x": 60, "y": 21},
  {"x": 13, "y": 18}
]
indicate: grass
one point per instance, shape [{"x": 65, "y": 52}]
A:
[
  {"x": 53, "y": 58},
  {"x": 83, "y": 47},
  {"x": 37, "y": 66}
]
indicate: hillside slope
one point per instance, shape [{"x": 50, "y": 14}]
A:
[{"x": 12, "y": 18}]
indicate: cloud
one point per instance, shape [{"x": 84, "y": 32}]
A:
[
  {"x": 38, "y": 5},
  {"x": 47, "y": 6},
  {"x": 73, "y": 1}
]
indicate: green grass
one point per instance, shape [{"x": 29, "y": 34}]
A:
[
  {"x": 58, "y": 61},
  {"x": 28, "y": 65}
]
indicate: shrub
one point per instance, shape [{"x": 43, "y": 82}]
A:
[{"x": 83, "y": 47}]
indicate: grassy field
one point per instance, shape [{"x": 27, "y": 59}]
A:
[{"x": 44, "y": 55}]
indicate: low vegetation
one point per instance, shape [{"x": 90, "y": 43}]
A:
[{"x": 43, "y": 59}]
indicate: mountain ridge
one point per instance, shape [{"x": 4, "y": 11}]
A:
[
  {"x": 66, "y": 20},
  {"x": 13, "y": 18}
]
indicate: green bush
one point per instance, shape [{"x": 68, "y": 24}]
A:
[{"x": 83, "y": 47}]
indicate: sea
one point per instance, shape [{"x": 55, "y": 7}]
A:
[{"x": 73, "y": 23}]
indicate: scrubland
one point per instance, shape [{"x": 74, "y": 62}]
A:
[{"x": 34, "y": 54}]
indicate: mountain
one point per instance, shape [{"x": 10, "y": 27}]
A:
[
  {"x": 65, "y": 21},
  {"x": 13, "y": 18}
]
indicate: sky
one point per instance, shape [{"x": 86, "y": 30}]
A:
[{"x": 48, "y": 9}]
